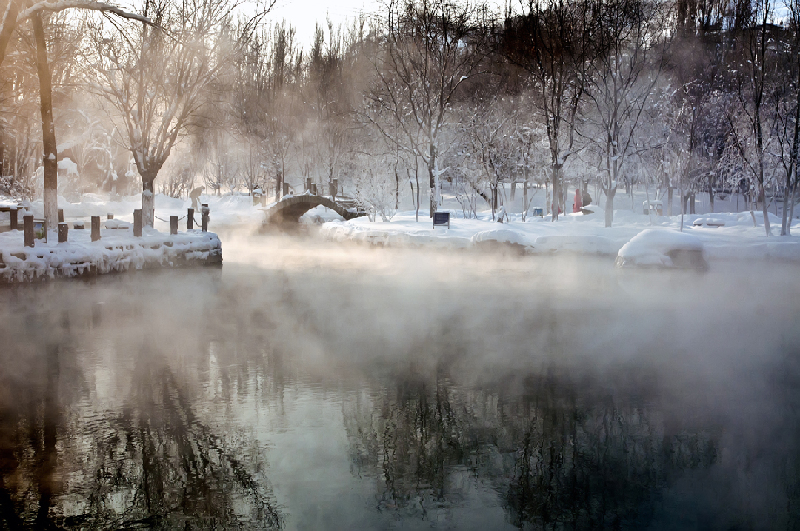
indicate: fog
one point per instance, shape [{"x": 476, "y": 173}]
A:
[{"x": 308, "y": 384}]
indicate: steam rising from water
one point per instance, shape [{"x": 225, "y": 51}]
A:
[{"x": 424, "y": 384}]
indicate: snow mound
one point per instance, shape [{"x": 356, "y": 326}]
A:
[
  {"x": 501, "y": 236},
  {"x": 709, "y": 221},
  {"x": 662, "y": 248}
]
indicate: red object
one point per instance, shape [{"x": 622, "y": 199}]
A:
[{"x": 578, "y": 204}]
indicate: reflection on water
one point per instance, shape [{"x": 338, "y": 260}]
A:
[{"x": 406, "y": 390}]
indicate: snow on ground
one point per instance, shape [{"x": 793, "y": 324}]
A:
[
  {"x": 729, "y": 235},
  {"x": 575, "y": 233}
]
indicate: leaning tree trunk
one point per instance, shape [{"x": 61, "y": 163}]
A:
[{"x": 50, "y": 158}]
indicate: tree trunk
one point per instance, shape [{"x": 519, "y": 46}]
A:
[
  {"x": 50, "y": 157},
  {"x": 556, "y": 191},
  {"x": 610, "y": 193},
  {"x": 12, "y": 10},
  {"x": 670, "y": 193},
  {"x": 794, "y": 200},
  {"x": 396, "y": 189},
  {"x": 763, "y": 199},
  {"x": 416, "y": 178},
  {"x": 433, "y": 180},
  {"x": 525, "y": 197},
  {"x": 148, "y": 201},
  {"x": 711, "y": 197}
]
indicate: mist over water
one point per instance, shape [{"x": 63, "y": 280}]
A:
[{"x": 310, "y": 385}]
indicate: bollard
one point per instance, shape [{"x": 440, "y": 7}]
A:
[
  {"x": 109, "y": 216},
  {"x": 61, "y": 215},
  {"x": 204, "y": 221},
  {"x": 137, "y": 222},
  {"x": 13, "y": 214},
  {"x": 63, "y": 229},
  {"x": 27, "y": 224},
  {"x": 95, "y": 228},
  {"x": 173, "y": 224},
  {"x": 190, "y": 219}
]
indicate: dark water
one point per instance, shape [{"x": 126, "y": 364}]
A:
[{"x": 315, "y": 386}]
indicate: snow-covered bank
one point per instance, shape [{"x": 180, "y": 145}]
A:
[
  {"x": 117, "y": 251},
  {"x": 731, "y": 236}
]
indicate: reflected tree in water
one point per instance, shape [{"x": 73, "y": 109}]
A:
[
  {"x": 559, "y": 454},
  {"x": 156, "y": 464},
  {"x": 150, "y": 464}
]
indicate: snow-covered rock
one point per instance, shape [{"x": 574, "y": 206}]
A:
[{"x": 662, "y": 248}]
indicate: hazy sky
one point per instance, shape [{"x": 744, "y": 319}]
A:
[{"x": 304, "y": 14}]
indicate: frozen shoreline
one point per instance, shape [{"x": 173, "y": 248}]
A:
[
  {"x": 117, "y": 251},
  {"x": 579, "y": 234}
]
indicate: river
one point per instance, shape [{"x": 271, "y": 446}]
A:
[{"x": 313, "y": 385}]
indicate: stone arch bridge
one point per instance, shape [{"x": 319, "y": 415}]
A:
[{"x": 289, "y": 209}]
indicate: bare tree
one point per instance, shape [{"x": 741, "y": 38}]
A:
[
  {"x": 431, "y": 48},
  {"x": 552, "y": 41},
  {"x": 155, "y": 78},
  {"x": 752, "y": 80},
  {"x": 787, "y": 113},
  {"x": 631, "y": 36}
]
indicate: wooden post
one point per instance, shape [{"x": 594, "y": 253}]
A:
[
  {"x": 173, "y": 224},
  {"x": 13, "y": 214},
  {"x": 313, "y": 188},
  {"x": 137, "y": 222},
  {"x": 61, "y": 215},
  {"x": 308, "y": 184},
  {"x": 334, "y": 188},
  {"x": 190, "y": 219},
  {"x": 109, "y": 216},
  {"x": 63, "y": 229},
  {"x": 95, "y": 228},
  {"x": 204, "y": 221},
  {"x": 27, "y": 223},
  {"x": 285, "y": 189}
]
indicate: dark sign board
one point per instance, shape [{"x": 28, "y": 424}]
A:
[{"x": 441, "y": 218}]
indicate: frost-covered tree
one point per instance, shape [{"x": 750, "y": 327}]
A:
[
  {"x": 552, "y": 41},
  {"x": 786, "y": 101},
  {"x": 753, "y": 79},
  {"x": 156, "y": 76},
  {"x": 431, "y": 48},
  {"x": 631, "y": 37},
  {"x": 12, "y": 15},
  {"x": 490, "y": 150}
]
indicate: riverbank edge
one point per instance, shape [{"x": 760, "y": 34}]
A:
[
  {"x": 117, "y": 251},
  {"x": 572, "y": 243}
]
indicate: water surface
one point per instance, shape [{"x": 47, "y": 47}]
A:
[{"x": 310, "y": 385}]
